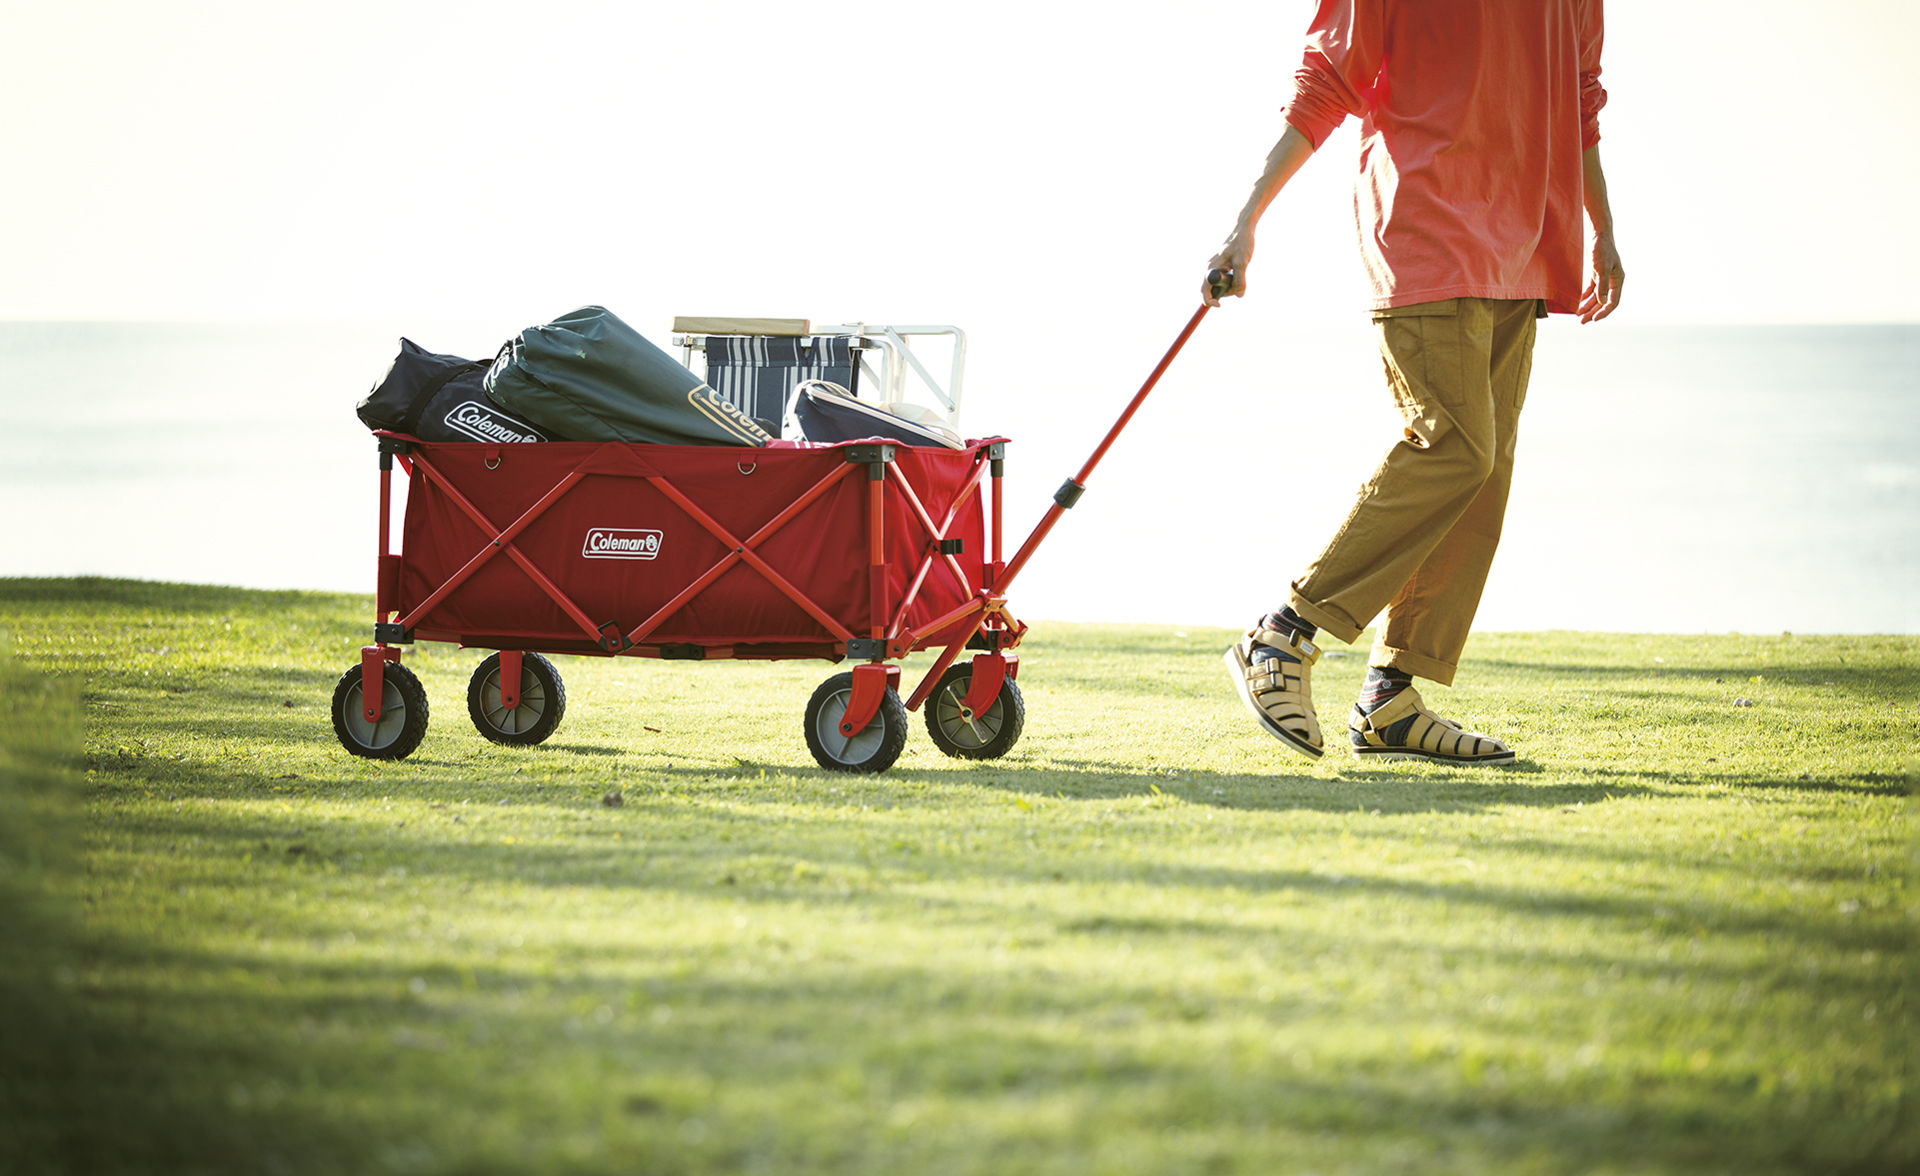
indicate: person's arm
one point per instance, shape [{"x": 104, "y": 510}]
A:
[
  {"x": 1286, "y": 158},
  {"x": 1602, "y": 295},
  {"x": 1335, "y": 78}
]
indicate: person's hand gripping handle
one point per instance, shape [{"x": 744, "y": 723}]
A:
[{"x": 1221, "y": 282}]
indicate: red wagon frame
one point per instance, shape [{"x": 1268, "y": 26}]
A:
[{"x": 928, "y": 527}]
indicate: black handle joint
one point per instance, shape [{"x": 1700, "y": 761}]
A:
[
  {"x": 390, "y": 446},
  {"x": 1068, "y": 494},
  {"x": 857, "y": 454},
  {"x": 867, "y": 648}
]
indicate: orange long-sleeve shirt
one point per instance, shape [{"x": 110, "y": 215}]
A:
[{"x": 1474, "y": 116}]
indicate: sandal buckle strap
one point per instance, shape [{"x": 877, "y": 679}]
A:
[{"x": 1301, "y": 647}]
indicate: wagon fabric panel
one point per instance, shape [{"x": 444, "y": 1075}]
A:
[{"x": 615, "y": 531}]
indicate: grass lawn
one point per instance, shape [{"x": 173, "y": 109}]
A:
[{"x": 1677, "y": 938}]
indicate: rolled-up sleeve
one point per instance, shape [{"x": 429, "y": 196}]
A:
[
  {"x": 1593, "y": 95},
  {"x": 1338, "y": 70}
]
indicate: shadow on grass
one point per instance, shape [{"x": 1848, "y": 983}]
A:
[
  {"x": 400, "y": 1058},
  {"x": 587, "y": 749},
  {"x": 103, "y": 1083},
  {"x": 88, "y": 1085},
  {"x": 1405, "y": 788},
  {"x": 1419, "y": 790},
  {"x": 1843, "y": 784},
  {"x": 1377, "y": 792},
  {"x": 1895, "y": 678},
  {"x": 839, "y": 857}
]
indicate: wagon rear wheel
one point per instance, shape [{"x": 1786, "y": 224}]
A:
[
  {"x": 871, "y": 750},
  {"x": 543, "y": 700},
  {"x": 988, "y": 734},
  {"x": 403, "y": 714}
]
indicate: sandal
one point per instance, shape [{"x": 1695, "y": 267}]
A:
[
  {"x": 1403, "y": 728},
  {"x": 1276, "y": 689}
]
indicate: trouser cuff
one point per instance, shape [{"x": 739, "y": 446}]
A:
[
  {"x": 1340, "y": 627},
  {"x": 1409, "y": 662}
]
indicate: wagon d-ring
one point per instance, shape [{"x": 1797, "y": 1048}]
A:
[
  {"x": 746, "y": 467},
  {"x": 492, "y": 463}
]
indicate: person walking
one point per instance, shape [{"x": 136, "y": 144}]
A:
[{"x": 1479, "y": 153}]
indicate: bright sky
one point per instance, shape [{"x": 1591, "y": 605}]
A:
[
  {"x": 1048, "y": 175},
  {"x": 977, "y": 163}
]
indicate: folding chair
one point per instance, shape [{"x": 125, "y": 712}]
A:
[{"x": 755, "y": 364}]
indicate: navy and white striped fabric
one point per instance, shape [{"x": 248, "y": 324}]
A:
[{"x": 757, "y": 373}]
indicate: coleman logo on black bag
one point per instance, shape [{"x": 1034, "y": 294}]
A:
[
  {"x": 481, "y": 423},
  {"x": 621, "y": 543},
  {"x": 708, "y": 402}
]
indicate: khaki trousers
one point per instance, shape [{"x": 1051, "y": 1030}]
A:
[{"x": 1423, "y": 529}]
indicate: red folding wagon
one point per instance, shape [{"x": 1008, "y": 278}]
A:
[{"x": 865, "y": 551}]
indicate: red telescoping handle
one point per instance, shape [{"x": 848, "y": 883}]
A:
[{"x": 1219, "y": 283}]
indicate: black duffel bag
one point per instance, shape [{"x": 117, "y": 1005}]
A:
[{"x": 440, "y": 398}]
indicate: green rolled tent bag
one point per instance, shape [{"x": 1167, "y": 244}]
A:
[{"x": 587, "y": 376}]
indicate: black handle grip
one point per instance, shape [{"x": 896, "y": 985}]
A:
[{"x": 1220, "y": 282}]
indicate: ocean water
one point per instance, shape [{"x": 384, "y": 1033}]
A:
[{"x": 1670, "y": 479}]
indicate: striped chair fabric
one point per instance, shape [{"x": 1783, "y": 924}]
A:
[{"x": 757, "y": 373}]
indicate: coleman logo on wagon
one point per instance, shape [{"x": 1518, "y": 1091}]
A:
[
  {"x": 621, "y": 543},
  {"x": 482, "y": 423}
]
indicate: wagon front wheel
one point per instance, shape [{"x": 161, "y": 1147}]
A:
[
  {"x": 543, "y": 700},
  {"x": 872, "y": 749},
  {"x": 987, "y": 734},
  {"x": 403, "y": 714}
]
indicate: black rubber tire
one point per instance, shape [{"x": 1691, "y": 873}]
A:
[
  {"x": 991, "y": 734},
  {"x": 403, "y": 714},
  {"x": 872, "y": 750},
  {"x": 543, "y": 701}
]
